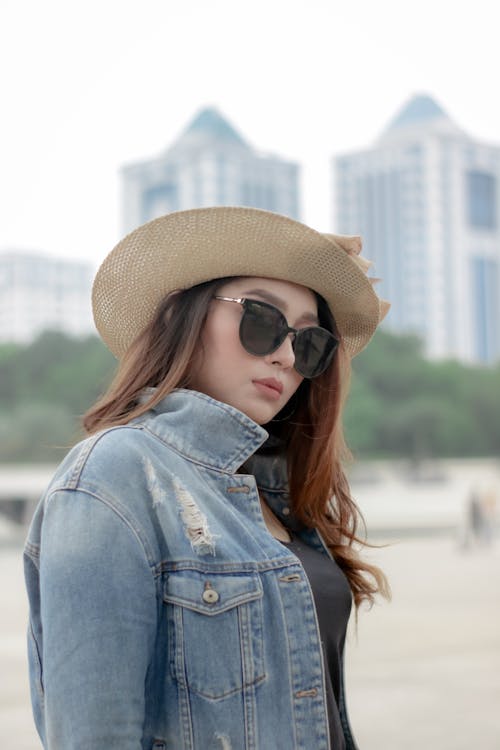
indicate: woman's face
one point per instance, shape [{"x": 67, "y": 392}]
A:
[{"x": 228, "y": 373}]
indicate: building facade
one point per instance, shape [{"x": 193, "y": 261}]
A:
[
  {"x": 426, "y": 199},
  {"x": 210, "y": 164},
  {"x": 38, "y": 292}
]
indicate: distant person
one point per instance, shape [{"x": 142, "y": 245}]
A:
[
  {"x": 481, "y": 517},
  {"x": 192, "y": 566},
  {"x": 476, "y": 515},
  {"x": 489, "y": 505}
]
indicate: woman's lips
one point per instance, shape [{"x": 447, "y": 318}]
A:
[{"x": 270, "y": 387}]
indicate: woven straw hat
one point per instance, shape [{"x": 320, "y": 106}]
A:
[{"x": 186, "y": 248}]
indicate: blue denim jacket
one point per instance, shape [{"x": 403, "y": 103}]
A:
[{"x": 163, "y": 615}]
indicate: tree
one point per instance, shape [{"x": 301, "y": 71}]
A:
[
  {"x": 44, "y": 389},
  {"x": 400, "y": 404}
]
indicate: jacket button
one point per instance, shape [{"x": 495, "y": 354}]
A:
[{"x": 210, "y": 596}]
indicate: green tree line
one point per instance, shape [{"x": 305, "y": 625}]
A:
[{"x": 400, "y": 404}]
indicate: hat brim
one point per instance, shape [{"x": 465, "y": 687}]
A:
[{"x": 185, "y": 248}]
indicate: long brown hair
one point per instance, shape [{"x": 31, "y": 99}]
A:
[{"x": 163, "y": 356}]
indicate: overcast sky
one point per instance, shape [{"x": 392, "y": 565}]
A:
[{"x": 89, "y": 86}]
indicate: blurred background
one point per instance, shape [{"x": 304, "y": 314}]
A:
[{"x": 379, "y": 119}]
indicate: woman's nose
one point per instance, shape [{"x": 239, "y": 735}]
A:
[{"x": 284, "y": 355}]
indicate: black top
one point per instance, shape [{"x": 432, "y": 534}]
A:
[{"x": 332, "y": 597}]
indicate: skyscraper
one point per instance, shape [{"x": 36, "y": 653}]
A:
[
  {"x": 425, "y": 198},
  {"x": 38, "y": 292},
  {"x": 210, "y": 164}
]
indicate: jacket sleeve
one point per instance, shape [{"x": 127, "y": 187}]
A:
[{"x": 98, "y": 616}]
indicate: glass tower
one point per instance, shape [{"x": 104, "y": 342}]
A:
[{"x": 425, "y": 198}]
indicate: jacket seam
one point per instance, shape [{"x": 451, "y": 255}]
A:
[
  {"x": 112, "y": 505},
  {"x": 223, "y": 568},
  {"x": 75, "y": 476}
]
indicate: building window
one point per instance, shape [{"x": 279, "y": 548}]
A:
[
  {"x": 158, "y": 200},
  {"x": 485, "y": 288},
  {"x": 481, "y": 200}
]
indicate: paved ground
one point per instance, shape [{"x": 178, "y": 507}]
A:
[{"x": 424, "y": 672}]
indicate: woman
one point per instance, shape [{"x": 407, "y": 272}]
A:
[{"x": 191, "y": 567}]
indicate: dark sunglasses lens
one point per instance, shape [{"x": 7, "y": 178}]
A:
[
  {"x": 262, "y": 328},
  {"x": 314, "y": 349}
]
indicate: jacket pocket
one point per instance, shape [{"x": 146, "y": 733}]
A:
[{"x": 215, "y": 631}]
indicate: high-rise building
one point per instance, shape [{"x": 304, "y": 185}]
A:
[
  {"x": 210, "y": 164},
  {"x": 38, "y": 292},
  {"x": 426, "y": 199}
]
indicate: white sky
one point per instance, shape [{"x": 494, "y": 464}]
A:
[{"x": 88, "y": 86}]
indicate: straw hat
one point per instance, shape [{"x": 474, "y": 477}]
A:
[{"x": 186, "y": 248}]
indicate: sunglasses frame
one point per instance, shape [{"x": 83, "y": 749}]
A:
[{"x": 286, "y": 329}]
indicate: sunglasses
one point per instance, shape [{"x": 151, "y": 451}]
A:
[{"x": 263, "y": 328}]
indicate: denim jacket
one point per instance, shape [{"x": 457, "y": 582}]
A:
[{"x": 163, "y": 615}]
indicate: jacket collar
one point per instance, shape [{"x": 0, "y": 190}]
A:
[
  {"x": 215, "y": 434},
  {"x": 203, "y": 429}
]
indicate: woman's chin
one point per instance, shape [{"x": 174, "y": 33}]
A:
[{"x": 258, "y": 412}]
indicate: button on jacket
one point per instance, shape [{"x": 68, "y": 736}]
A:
[{"x": 163, "y": 615}]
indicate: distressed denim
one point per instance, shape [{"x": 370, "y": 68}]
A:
[{"x": 163, "y": 615}]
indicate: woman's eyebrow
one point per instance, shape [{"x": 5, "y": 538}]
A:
[{"x": 281, "y": 304}]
